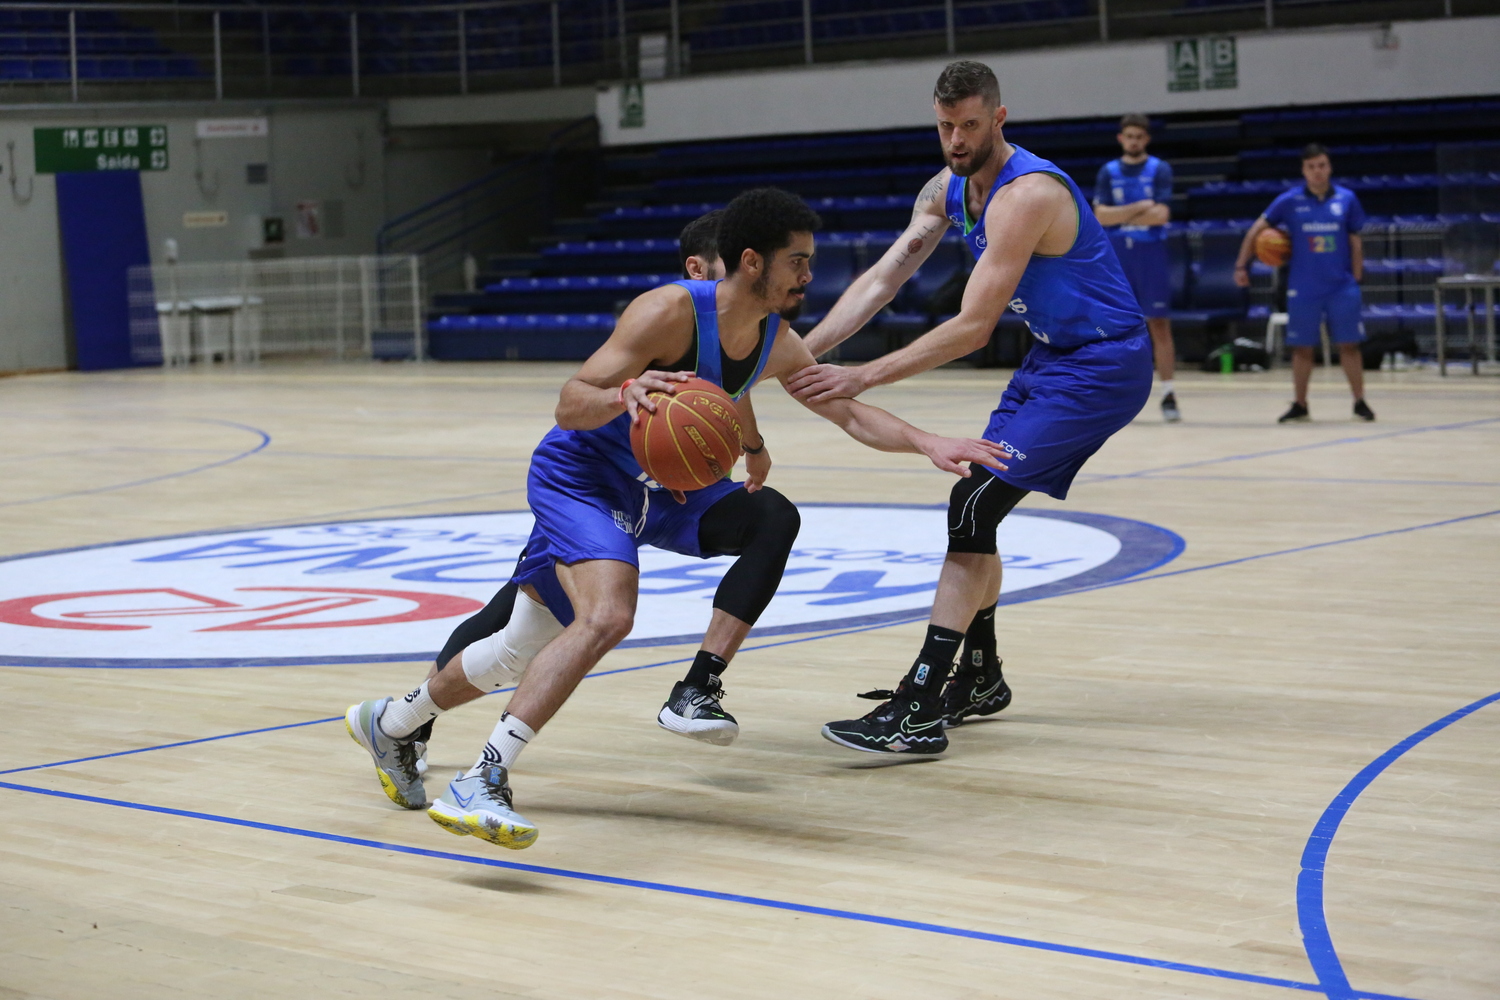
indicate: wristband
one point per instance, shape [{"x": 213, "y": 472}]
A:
[
  {"x": 753, "y": 451},
  {"x": 620, "y": 396}
]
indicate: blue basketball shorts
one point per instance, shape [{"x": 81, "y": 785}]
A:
[
  {"x": 587, "y": 508},
  {"x": 1062, "y": 405},
  {"x": 1306, "y": 313},
  {"x": 1148, "y": 271}
]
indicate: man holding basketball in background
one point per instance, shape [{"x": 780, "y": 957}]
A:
[
  {"x": 1041, "y": 252},
  {"x": 594, "y": 506},
  {"x": 1323, "y": 221}
]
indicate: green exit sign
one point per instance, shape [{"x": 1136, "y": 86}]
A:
[{"x": 91, "y": 148}]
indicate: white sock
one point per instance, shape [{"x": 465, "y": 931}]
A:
[
  {"x": 505, "y": 745},
  {"x": 1167, "y": 387},
  {"x": 404, "y": 716}
]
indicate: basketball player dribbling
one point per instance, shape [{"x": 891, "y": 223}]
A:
[
  {"x": 1040, "y": 251},
  {"x": 577, "y": 578}
]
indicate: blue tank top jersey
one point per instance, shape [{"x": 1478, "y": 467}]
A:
[
  {"x": 612, "y": 441},
  {"x": 1127, "y": 187},
  {"x": 1079, "y": 298}
]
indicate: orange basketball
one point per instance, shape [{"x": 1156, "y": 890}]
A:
[
  {"x": 693, "y": 438},
  {"x": 1272, "y": 247}
]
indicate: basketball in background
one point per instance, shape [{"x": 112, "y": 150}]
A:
[
  {"x": 1272, "y": 247},
  {"x": 692, "y": 440}
]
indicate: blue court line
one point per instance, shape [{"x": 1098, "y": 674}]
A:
[
  {"x": 726, "y": 897},
  {"x": 1323, "y": 479},
  {"x": 265, "y": 439},
  {"x": 1361, "y": 439},
  {"x": 1310, "y": 916}
]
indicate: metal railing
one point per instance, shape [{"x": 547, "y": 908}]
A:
[{"x": 57, "y": 51}]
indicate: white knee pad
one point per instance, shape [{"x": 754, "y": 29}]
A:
[{"x": 499, "y": 660}]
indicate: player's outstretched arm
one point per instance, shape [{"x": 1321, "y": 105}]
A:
[
  {"x": 1018, "y": 219},
  {"x": 658, "y": 324},
  {"x": 871, "y": 291},
  {"x": 875, "y": 428}
]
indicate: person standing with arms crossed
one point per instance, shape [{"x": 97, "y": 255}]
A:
[
  {"x": 1132, "y": 199},
  {"x": 1328, "y": 261}
]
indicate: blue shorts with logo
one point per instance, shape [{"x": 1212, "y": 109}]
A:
[
  {"x": 1148, "y": 270},
  {"x": 588, "y": 508},
  {"x": 1062, "y": 405},
  {"x": 1306, "y": 313}
]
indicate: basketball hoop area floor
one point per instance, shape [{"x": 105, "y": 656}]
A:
[{"x": 1262, "y": 766}]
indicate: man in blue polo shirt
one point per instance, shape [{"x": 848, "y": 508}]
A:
[
  {"x": 1132, "y": 196},
  {"x": 1323, "y": 222}
]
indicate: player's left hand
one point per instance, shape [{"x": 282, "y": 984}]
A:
[
  {"x": 948, "y": 453},
  {"x": 820, "y": 383},
  {"x": 757, "y": 468}
]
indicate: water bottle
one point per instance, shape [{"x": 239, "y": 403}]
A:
[{"x": 1226, "y": 360}]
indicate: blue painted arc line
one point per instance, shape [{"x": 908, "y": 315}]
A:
[
  {"x": 680, "y": 890},
  {"x": 1316, "y": 939},
  {"x": 265, "y": 440}
]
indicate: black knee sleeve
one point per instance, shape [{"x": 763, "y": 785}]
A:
[
  {"x": 760, "y": 528},
  {"x": 490, "y": 619},
  {"x": 976, "y": 507}
]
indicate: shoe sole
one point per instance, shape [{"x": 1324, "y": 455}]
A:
[
  {"x": 391, "y": 791},
  {"x": 508, "y": 835},
  {"x": 833, "y": 737},
  {"x": 720, "y": 734},
  {"x": 1295, "y": 420}
]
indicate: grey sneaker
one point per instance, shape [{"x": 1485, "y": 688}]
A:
[
  {"x": 395, "y": 761},
  {"x": 480, "y": 806}
]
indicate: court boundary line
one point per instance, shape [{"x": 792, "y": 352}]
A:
[
  {"x": 1317, "y": 941},
  {"x": 710, "y": 894}
]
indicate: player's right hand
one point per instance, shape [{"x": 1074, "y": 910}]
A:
[
  {"x": 948, "y": 454},
  {"x": 1242, "y": 276},
  {"x": 634, "y": 395}
]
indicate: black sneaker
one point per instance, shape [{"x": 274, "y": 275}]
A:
[
  {"x": 1169, "y": 411},
  {"x": 694, "y": 712},
  {"x": 1298, "y": 413},
  {"x": 907, "y": 723},
  {"x": 1362, "y": 410},
  {"x": 974, "y": 691}
]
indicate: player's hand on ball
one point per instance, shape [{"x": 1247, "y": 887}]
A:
[
  {"x": 757, "y": 468},
  {"x": 637, "y": 391},
  {"x": 820, "y": 383},
  {"x": 948, "y": 453}
]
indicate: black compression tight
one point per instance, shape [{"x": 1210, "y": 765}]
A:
[
  {"x": 976, "y": 507},
  {"x": 760, "y": 528}
]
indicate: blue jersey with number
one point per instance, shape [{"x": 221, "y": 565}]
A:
[
  {"x": 1121, "y": 183},
  {"x": 1319, "y": 229},
  {"x": 612, "y": 441},
  {"x": 1081, "y": 297}
]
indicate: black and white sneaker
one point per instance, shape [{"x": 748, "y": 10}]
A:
[
  {"x": 1169, "y": 411},
  {"x": 907, "y": 723},
  {"x": 975, "y": 691},
  {"x": 695, "y": 712},
  {"x": 1295, "y": 415}
]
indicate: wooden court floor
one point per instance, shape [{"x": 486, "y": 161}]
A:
[{"x": 1264, "y": 769}]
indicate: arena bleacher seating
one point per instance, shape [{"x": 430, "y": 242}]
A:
[
  {"x": 1227, "y": 171},
  {"x": 34, "y": 45}
]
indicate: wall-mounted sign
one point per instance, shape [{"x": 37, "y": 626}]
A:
[
  {"x": 88, "y": 149},
  {"x": 632, "y": 105},
  {"x": 1203, "y": 64},
  {"x": 204, "y": 220},
  {"x": 233, "y": 128}
]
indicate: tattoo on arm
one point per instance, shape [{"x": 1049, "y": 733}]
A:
[
  {"x": 931, "y": 194},
  {"x": 914, "y": 245}
]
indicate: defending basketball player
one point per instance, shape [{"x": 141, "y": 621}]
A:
[
  {"x": 1041, "y": 251},
  {"x": 577, "y": 578}
]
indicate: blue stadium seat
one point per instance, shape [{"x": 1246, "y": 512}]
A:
[
  {"x": 833, "y": 270},
  {"x": 51, "y": 69},
  {"x": 15, "y": 69}
]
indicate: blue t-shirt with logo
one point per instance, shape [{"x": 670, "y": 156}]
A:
[
  {"x": 1319, "y": 229},
  {"x": 1121, "y": 183}
]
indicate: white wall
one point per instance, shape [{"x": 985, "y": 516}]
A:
[
  {"x": 324, "y": 154},
  {"x": 1439, "y": 58}
]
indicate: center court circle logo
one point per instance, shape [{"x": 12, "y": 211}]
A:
[{"x": 392, "y": 589}]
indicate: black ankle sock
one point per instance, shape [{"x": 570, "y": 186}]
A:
[
  {"x": 979, "y": 641},
  {"x": 704, "y": 665},
  {"x": 930, "y": 671}
]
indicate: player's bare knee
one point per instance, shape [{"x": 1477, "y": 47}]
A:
[
  {"x": 607, "y": 626},
  {"x": 976, "y": 506}
]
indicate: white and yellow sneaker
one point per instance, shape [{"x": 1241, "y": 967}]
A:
[
  {"x": 480, "y": 806},
  {"x": 396, "y": 762}
]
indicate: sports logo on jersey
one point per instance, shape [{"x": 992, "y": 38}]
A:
[
  {"x": 1337, "y": 208},
  {"x": 981, "y": 242},
  {"x": 393, "y": 589},
  {"x": 1119, "y": 196},
  {"x": 955, "y": 220},
  {"x": 623, "y": 522},
  {"x": 1016, "y": 305}
]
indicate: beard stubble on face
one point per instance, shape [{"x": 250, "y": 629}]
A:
[
  {"x": 978, "y": 157},
  {"x": 763, "y": 285}
]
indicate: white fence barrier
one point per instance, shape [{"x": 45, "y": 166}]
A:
[{"x": 241, "y": 311}]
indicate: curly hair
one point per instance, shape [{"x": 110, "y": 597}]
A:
[
  {"x": 700, "y": 238},
  {"x": 763, "y": 220}
]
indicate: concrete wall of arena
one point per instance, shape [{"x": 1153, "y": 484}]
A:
[
  {"x": 331, "y": 154},
  {"x": 1437, "y": 58}
]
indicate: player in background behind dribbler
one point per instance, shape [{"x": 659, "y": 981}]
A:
[
  {"x": 1132, "y": 199},
  {"x": 578, "y": 576},
  {"x": 1323, "y": 222},
  {"x": 1041, "y": 252}
]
